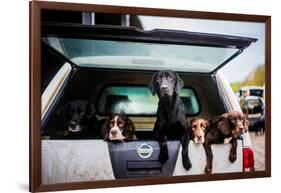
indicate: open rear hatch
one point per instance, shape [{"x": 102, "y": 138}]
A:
[
  {"x": 119, "y": 47},
  {"x": 129, "y": 48}
]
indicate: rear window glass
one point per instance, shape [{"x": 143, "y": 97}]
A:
[
  {"x": 253, "y": 92},
  {"x": 256, "y": 92},
  {"x": 139, "y": 101},
  {"x": 139, "y": 55}
]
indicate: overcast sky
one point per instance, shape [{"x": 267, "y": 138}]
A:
[{"x": 238, "y": 68}]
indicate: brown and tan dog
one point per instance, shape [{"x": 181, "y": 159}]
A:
[
  {"x": 118, "y": 127},
  {"x": 198, "y": 128},
  {"x": 223, "y": 128}
]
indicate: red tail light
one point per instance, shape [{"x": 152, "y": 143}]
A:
[{"x": 248, "y": 160}]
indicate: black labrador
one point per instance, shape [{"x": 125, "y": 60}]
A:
[
  {"x": 171, "y": 119},
  {"x": 79, "y": 120}
]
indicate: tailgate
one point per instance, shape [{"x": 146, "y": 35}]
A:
[
  {"x": 221, "y": 164},
  {"x": 92, "y": 160},
  {"x": 140, "y": 159}
]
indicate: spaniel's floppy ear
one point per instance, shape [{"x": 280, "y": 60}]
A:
[
  {"x": 224, "y": 126},
  {"x": 179, "y": 83},
  {"x": 152, "y": 83},
  {"x": 129, "y": 131},
  {"x": 206, "y": 124},
  {"x": 245, "y": 123},
  {"x": 105, "y": 130},
  {"x": 190, "y": 123}
]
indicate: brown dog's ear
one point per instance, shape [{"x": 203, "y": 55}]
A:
[
  {"x": 179, "y": 83},
  {"x": 105, "y": 130},
  {"x": 206, "y": 124},
  {"x": 190, "y": 123},
  {"x": 224, "y": 126},
  {"x": 245, "y": 123},
  {"x": 152, "y": 85},
  {"x": 129, "y": 131}
]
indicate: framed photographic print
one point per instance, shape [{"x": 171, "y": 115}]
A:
[{"x": 123, "y": 96}]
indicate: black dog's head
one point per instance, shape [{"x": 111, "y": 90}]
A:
[
  {"x": 77, "y": 114},
  {"x": 165, "y": 83}
]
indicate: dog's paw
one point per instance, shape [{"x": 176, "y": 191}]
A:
[
  {"x": 232, "y": 157},
  {"x": 186, "y": 162},
  {"x": 208, "y": 170},
  {"x": 163, "y": 157}
]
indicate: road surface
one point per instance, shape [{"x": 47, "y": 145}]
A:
[{"x": 258, "y": 143}]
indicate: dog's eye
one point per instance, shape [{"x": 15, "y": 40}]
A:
[
  {"x": 158, "y": 80},
  {"x": 111, "y": 124},
  {"x": 121, "y": 124},
  {"x": 193, "y": 127},
  {"x": 82, "y": 113}
]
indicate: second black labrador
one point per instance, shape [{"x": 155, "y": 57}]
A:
[{"x": 171, "y": 120}]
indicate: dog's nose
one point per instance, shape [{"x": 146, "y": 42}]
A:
[
  {"x": 113, "y": 132},
  {"x": 72, "y": 124},
  {"x": 199, "y": 136},
  {"x": 241, "y": 129},
  {"x": 164, "y": 87}
]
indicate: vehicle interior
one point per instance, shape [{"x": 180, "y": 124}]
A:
[{"x": 105, "y": 89}]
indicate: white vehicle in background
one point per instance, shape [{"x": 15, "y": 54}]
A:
[
  {"x": 256, "y": 107},
  {"x": 255, "y": 103},
  {"x": 252, "y": 91},
  {"x": 110, "y": 66}
]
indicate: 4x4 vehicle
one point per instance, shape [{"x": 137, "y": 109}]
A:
[
  {"x": 111, "y": 66},
  {"x": 256, "y": 107},
  {"x": 254, "y": 103}
]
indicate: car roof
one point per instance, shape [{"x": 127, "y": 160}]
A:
[
  {"x": 251, "y": 87},
  {"x": 253, "y": 97}
]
